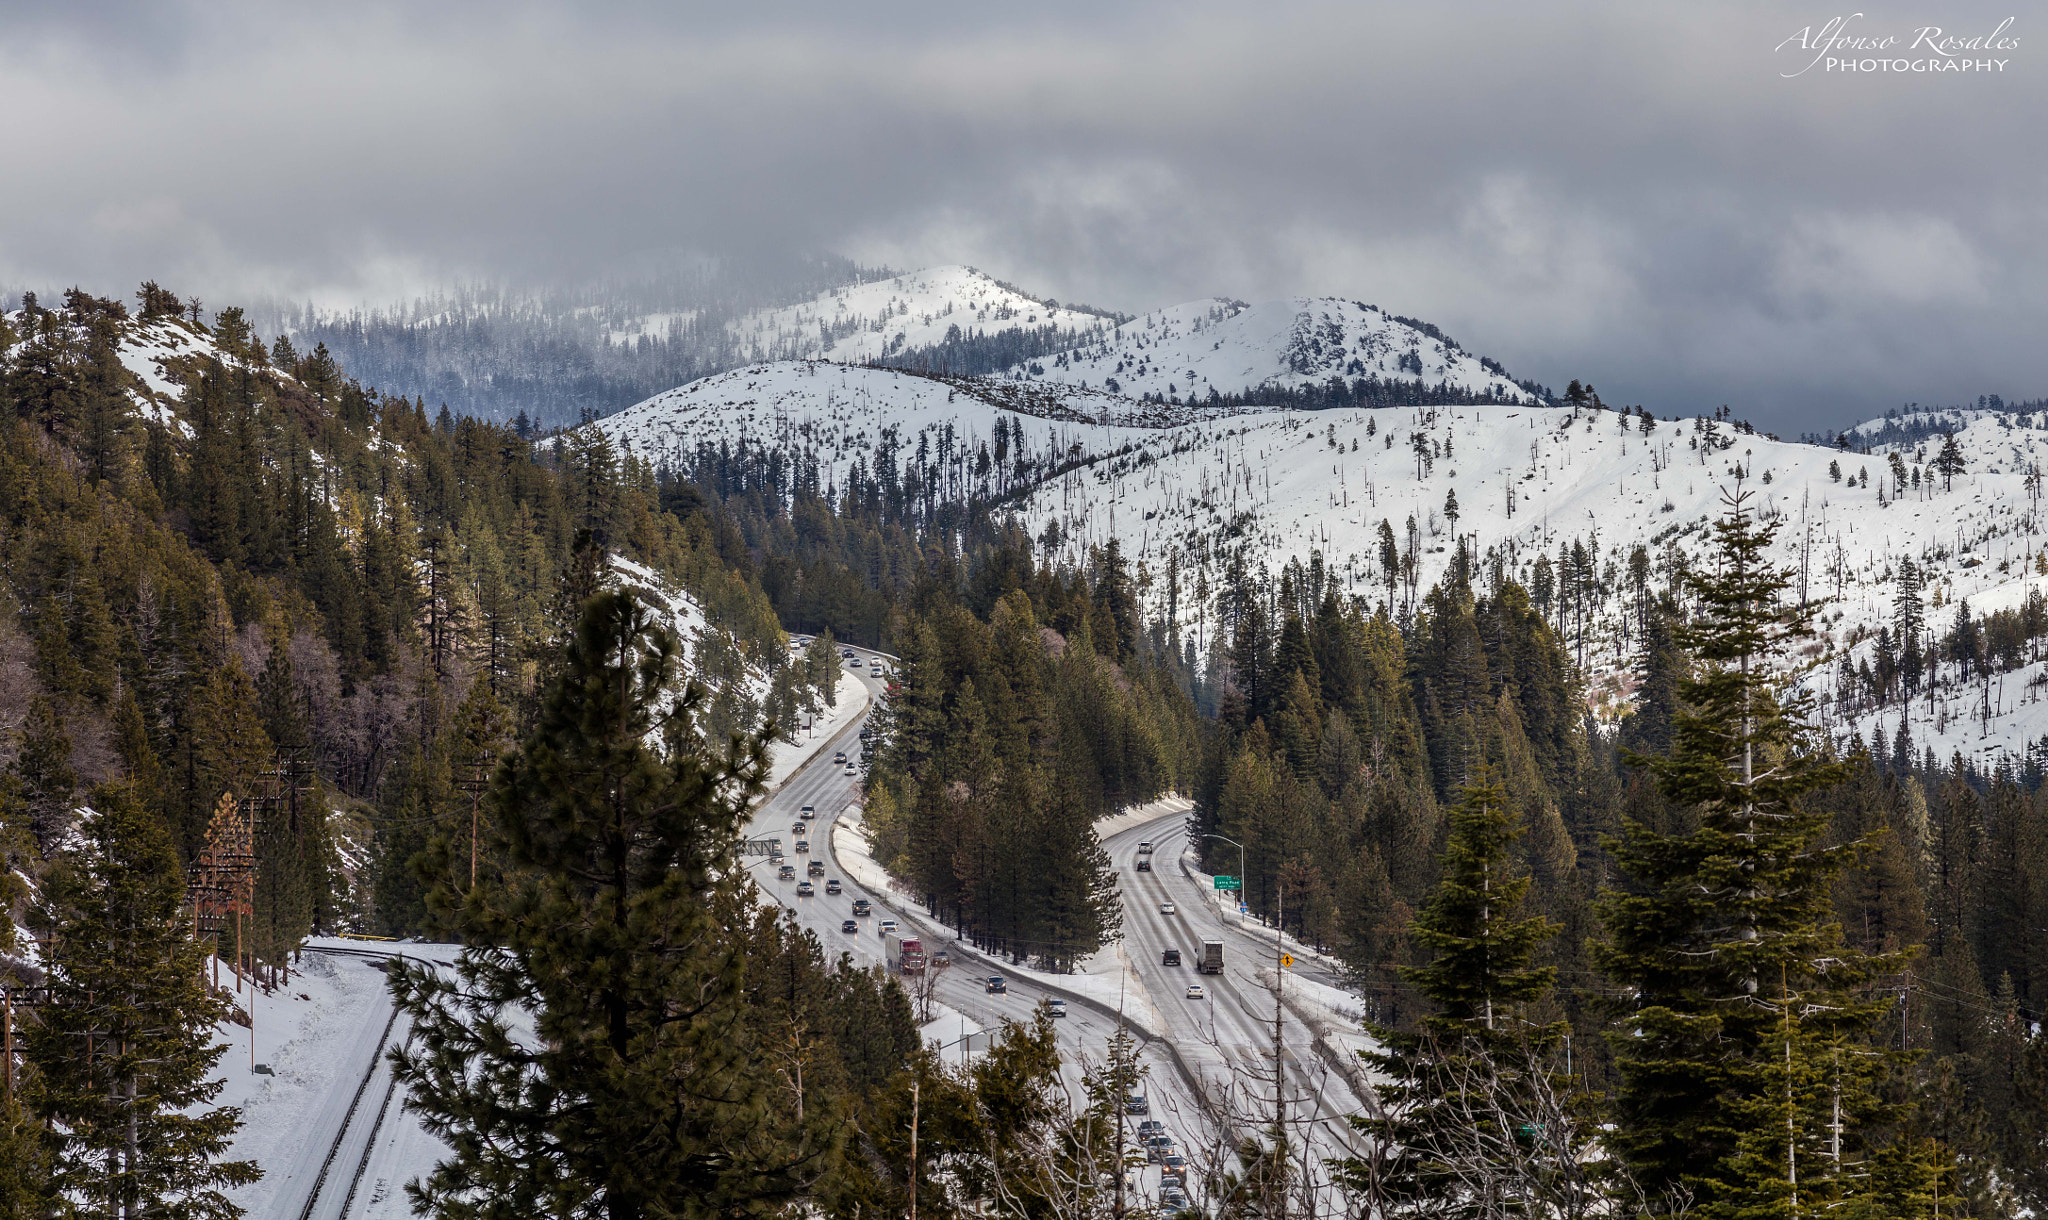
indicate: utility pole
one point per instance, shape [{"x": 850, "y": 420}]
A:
[
  {"x": 914, "y": 1084},
  {"x": 1279, "y": 1063}
]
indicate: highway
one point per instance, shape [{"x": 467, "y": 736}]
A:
[
  {"x": 1085, "y": 1032},
  {"x": 1227, "y": 1038},
  {"x": 1211, "y": 1074}
]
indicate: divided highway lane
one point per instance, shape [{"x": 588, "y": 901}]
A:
[
  {"x": 1085, "y": 1031},
  {"x": 1227, "y": 1038}
]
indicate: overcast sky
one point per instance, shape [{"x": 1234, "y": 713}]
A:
[{"x": 1636, "y": 194}]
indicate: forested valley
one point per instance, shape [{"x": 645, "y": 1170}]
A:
[{"x": 397, "y": 623}]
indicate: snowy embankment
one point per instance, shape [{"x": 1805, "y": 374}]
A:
[
  {"x": 314, "y": 1038},
  {"x": 1138, "y": 815},
  {"x": 851, "y": 699}
]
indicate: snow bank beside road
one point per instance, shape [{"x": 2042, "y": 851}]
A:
[{"x": 851, "y": 700}]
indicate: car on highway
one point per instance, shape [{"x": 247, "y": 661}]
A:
[
  {"x": 1165, "y": 908},
  {"x": 1136, "y": 1104},
  {"x": 1170, "y": 1180},
  {"x": 807, "y": 812},
  {"x": 803, "y": 846},
  {"x": 816, "y": 869},
  {"x": 850, "y": 769},
  {"x": 804, "y": 889},
  {"x": 1174, "y": 1161},
  {"x": 1170, "y": 958},
  {"x": 942, "y": 958},
  {"x": 786, "y": 873},
  {"x": 1056, "y": 1007},
  {"x": 860, "y": 906},
  {"x": 1195, "y": 992},
  {"x": 798, "y": 830},
  {"x": 832, "y": 886},
  {"x": 840, "y": 758},
  {"x": 849, "y": 925},
  {"x": 888, "y": 925},
  {"x": 1172, "y": 1199},
  {"x": 1148, "y": 1127},
  {"x": 996, "y": 985},
  {"x": 1144, "y": 864}
]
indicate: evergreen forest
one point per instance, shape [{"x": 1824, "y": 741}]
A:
[{"x": 1696, "y": 956}]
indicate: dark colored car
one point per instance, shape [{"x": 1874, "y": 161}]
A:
[
  {"x": 849, "y": 925},
  {"x": 1171, "y": 958},
  {"x": 996, "y": 985}
]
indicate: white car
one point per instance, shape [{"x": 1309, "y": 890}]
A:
[
  {"x": 888, "y": 925},
  {"x": 1166, "y": 908},
  {"x": 1195, "y": 992}
]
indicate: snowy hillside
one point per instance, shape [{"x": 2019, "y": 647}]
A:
[
  {"x": 875, "y": 320},
  {"x": 1176, "y": 485},
  {"x": 835, "y": 415},
  {"x": 1185, "y": 353},
  {"x": 1533, "y": 483},
  {"x": 161, "y": 354}
]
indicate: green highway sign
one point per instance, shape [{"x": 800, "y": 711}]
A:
[{"x": 1228, "y": 883}]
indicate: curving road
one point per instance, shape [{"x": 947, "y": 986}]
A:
[
  {"x": 1211, "y": 1078},
  {"x": 1085, "y": 1032}
]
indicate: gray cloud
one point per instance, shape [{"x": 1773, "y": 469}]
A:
[{"x": 1629, "y": 193}]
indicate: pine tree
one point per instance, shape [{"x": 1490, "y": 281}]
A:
[
  {"x": 1475, "y": 1050},
  {"x": 43, "y": 768},
  {"x": 644, "y": 1093},
  {"x": 277, "y": 696},
  {"x": 121, "y": 1057},
  {"x": 24, "y": 1162},
  {"x": 1724, "y": 938}
]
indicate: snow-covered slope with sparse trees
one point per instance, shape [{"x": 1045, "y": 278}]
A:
[
  {"x": 1190, "y": 352},
  {"x": 1595, "y": 511}
]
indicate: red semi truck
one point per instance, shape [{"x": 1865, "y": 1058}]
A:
[{"x": 912, "y": 960}]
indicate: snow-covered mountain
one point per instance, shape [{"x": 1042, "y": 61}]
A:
[
  {"x": 1190, "y": 351},
  {"x": 880, "y": 319},
  {"x": 1191, "y": 487}
]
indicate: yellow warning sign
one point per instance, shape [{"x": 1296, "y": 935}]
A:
[{"x": 1287, "y": 959}]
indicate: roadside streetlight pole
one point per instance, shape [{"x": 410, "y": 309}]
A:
[{"x": 1240, "y": 869}]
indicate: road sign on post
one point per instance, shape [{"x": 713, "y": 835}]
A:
[{"x": 1228, "y": 883}]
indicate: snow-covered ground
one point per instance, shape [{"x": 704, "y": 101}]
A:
[{"x": 318, "y": 1035}]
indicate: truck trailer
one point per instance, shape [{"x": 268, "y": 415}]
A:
[{"x": 1212, "y": 957}]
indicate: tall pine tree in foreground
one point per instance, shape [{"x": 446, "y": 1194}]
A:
[
  {"x": 1747, "y": 1061},
  {"x": 594, "y": 1056},
  {"x": 120, "y": 1059},
  {"x": 1468, "y": 1090}
]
